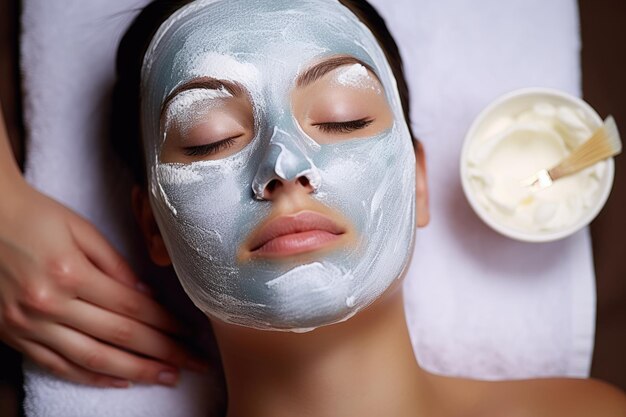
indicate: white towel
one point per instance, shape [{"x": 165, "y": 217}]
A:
[{"x": 478, "y": 304}]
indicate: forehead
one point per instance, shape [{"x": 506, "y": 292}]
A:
[{"x": 247, "y": 40}]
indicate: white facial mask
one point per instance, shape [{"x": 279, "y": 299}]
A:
[{"x": 205, "y": 210}]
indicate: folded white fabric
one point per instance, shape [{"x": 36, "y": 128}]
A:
[
  {"x": 478, "y": 304},
  {"x": 51, "y": 397}
]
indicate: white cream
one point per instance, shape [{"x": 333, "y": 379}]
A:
[
  {"x": 183, "y": 106},
  {"x": 514, "y": 148},
  {"x": 356, "y": 76}
]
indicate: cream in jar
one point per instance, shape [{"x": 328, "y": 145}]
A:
[{"x": 515, "y": 147}]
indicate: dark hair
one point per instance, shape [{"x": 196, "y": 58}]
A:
[{"x": 125, "y": 123}]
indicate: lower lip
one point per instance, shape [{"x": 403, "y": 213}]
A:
[{"x": 297, "y": 243}]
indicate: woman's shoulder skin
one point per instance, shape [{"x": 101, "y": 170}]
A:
[
  {"x": 551, "y": 397},
  {"x": 556, "y": 397}
]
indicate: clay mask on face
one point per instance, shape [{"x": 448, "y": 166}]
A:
[{"x": 206, "y": 210}]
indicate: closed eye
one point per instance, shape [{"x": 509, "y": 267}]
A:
[
  {"x": 344, "y": 127},
  {"x": 211, "y": 148}
]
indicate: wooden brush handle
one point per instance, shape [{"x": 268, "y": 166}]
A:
[
  {"x": 583, "y": 157},
  {"x": 604, "y": 144}
]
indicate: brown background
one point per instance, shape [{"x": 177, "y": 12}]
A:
[{"x": 604, "y": 86}]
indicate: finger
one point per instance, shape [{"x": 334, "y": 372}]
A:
[
  {"x": 95, "y": 356},
  {"x": 111, "y": 295},
  {"x": 130, "y": 334},
  {"x": 61, "y": 367},
  {"x": 103, "y": 255}
]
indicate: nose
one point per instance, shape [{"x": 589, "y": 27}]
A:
[{"x": 285, "y": 167}]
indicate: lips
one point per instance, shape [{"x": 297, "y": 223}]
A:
[{"x": 288, "y": 235}]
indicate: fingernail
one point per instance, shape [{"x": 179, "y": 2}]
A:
[
  {"x": 120, "y": 383},
  {"x": 141, "y": 287},
  {"x": 197, "y": 365},
  {"x": 167, "y": 378}
]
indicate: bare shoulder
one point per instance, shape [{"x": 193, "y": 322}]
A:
[
  {"x": 580, "y": 397},
  {"x": 553, "y": 397},
  {"x": 556, "y": 397}
]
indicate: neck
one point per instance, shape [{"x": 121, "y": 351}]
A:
[{"x": 364, "y": 366}]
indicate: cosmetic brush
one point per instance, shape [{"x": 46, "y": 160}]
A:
[{"x": 604, "y": 143}]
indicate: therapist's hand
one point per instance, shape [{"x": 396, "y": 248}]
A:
[{"x": 71, "y": 303}]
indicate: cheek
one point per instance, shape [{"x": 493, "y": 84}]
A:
[
  {"x": 206, "y": 206},
  {"x": 354, "y": 182}
]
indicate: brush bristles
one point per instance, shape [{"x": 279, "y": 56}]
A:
[{"x": 604, "y": 143}]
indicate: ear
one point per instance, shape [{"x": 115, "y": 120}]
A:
[
  {"x": 421, "y": 186},
  {"x": 149, "y": 227}
]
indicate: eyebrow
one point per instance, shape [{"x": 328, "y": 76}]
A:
[
  {"x": 208, "y": 83},
  {"x": 320, "y": 69}
]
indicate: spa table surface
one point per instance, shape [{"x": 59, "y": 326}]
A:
[{"x": 604, "y": 87}]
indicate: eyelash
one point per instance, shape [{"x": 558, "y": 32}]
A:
[
  {"x": 211, "y": 148},
  {"x": 330, "y": 127},
  {"x": 343, "y": 127}
]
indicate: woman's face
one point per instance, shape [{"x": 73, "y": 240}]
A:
[{"x": 281, "y": 169}]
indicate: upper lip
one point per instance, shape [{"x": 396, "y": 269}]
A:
[{"x": 285, "y": 225}]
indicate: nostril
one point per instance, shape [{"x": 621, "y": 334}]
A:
[
  {"x": 304, "y": 181},
  {"x": 272, "y": 185}
]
